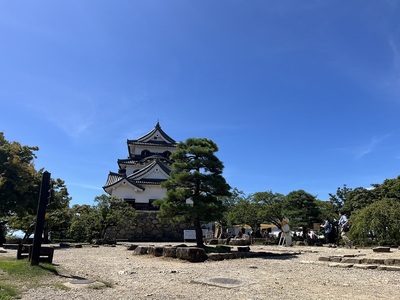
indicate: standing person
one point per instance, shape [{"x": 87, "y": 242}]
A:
[
  {"x": 335, "y": 232},
  {"x": 3, "y": 232},
  {"x": 286, "y": 235},
  {"x": 327, "y": 226},
  {"x": 344, "y": 228}
]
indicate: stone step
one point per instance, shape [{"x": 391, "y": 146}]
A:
[{"x": 388, "y": 264}]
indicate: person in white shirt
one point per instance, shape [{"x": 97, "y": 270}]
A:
[{"x": 344, "y": 229}]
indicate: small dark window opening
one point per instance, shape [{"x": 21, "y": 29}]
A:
[
  {"x": 131, "y": 201},
  {"x": 146, "y": 153}
]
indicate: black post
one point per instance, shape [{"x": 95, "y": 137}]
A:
[{"x": 41, "y": 212}]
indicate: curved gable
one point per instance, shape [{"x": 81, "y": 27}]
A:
[{"x": 157, "y": 135}]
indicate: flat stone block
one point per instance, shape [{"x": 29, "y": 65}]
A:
[
  {"x": 381, "y": 249},
  {"x": 339, "y": 265},
  {"x": 141, "y": 250},
  {"x": 334, "y": 265},
  {"x": 351, "y": 260},
  {"x": 375, "y": 261},
  {"x": 192, "y": 254},
  {"x": 365, "y": 267},
  {"x": 324, "y": 258},
  {"x": 155, "y": 250},
  {"x": 169, "y": 252},
  {"x": 342, "y": 265},
  {"x": 215, "y": 256},
  {"x": 131, "y": 247},
  {"x": 239, "y": 242},
  {"x": 389, "y": 261},
  {"x": 392, "y": 268},
  {"x": 336, "y": 259}
]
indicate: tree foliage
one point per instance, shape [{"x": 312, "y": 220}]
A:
[
  {"x": 57, "y": 218},
  {"x": 20, "y": 188},
  {"x": 58, "y": 212},
  {"x": 257, "y": 208},
  {"x": 229, "y": 202},
  {"x": 195, "y": 186},
  {"x": 19, "y": 180},
  {"x": 245, "y": 212},
  {"x": 327, "y": 209},
  {"x": 83, "y": 226},
  {"x": 372, "y": 211},
  {"x": 301, "y": 209},
  {"x": 339, "y": 198},
  {"x": 379, "y": 221},
  {"x": 359, "y": 198},
  {"x": 93, "y": 222},
  {"x": 270, "y": 207}
]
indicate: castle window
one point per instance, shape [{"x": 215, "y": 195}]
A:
[
  {"x": 131, "y": 201},
  {"x": 146, "y": 153}
]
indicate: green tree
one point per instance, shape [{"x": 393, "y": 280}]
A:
[
  {"x": 362, "y": 197},
  {"x": 301, "y": 209},
  {"x": 229, "y": 203},
  {"x": 350, "y": 200},
  {"x": 390, "y": 188},
  {"x": 110, "y": 212},
  {"x": 339, "y": 199},
  {"x": 58, "y": 212},
  {"x": 94, "y": 222},
  {"x": 359, "y": 198},
  {"x": 84, "y": 224},
  {"x": 257, "y": 208},
  {"x": 380, "y": 220},
  {"x": 245, "y": 212},
  {"x": 18, "y": 177},
  {"x": 20, "y": 187},
  {"x": 270, "y": 207},
  {"x": 195, "y": 186},
  {"x": 58, "y": 216},
  {"x": 327, "y": 209}
]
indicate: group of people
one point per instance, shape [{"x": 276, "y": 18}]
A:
[{"x": 334, "y": 228}]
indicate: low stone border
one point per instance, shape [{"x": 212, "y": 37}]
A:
[
  {"x": 195, "y": 254},
  {"x": 358, "y": 260},
  {"x": 347, "y": 261}
]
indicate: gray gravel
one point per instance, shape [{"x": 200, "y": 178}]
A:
[{"x": 118, "y": 274}]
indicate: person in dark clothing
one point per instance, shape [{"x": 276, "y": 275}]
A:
[
  {"x": 328, "y": 232},
  {"x": 3, "y": 232}
]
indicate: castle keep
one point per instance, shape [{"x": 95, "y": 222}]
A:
[{"x": 138, "y": 182}]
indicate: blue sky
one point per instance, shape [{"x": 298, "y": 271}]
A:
[{"x": 297, "y": 94}]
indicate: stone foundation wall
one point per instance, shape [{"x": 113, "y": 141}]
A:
[{"x": 149, "y": 229}]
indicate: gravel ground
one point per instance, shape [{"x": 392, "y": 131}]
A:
[{"x": 121, "y": 275}]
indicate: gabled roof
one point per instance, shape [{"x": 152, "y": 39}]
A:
[
  {"x": 132, "y": 161},
  {"x": 151, "y": 136},
  {"x": 136, "y": 178},
  {"x": 137, "y": 175},
  {"x": 115, "y": 179}
]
